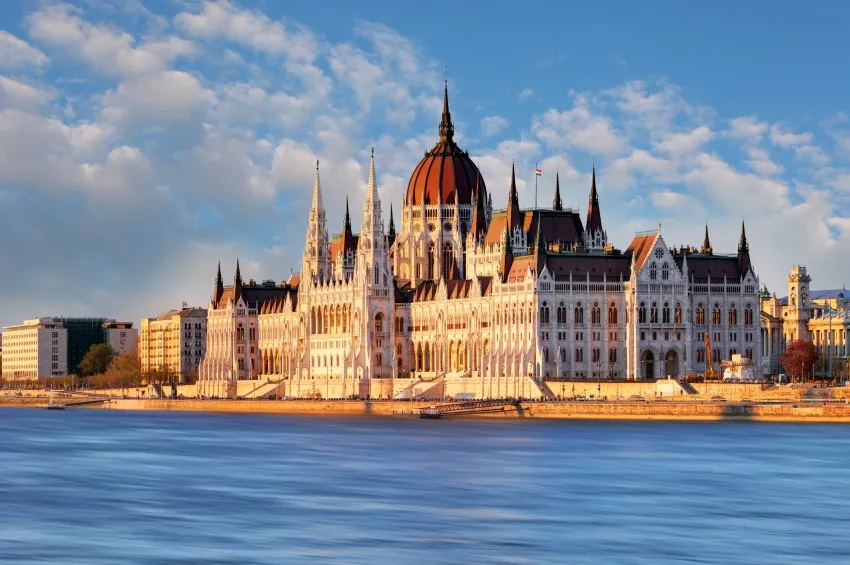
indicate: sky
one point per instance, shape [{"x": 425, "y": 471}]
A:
[{"x": 143, "y": 141}]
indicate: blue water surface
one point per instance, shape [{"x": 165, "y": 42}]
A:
[{"x": 102, "y": 487}]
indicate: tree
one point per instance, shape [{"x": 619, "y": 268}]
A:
[
  {"x": 124, "y": 371},
  {"x": 798, "y": 359},
  {"x": 97, "y": 359}
]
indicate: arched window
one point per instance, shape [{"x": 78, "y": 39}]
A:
[
  {"x": 562, "y": 314},
  {"x": 700, "y": 314},
  {"x": 379, "y": 323},
  {"x": 379, "y": 359},
  {"x": 653, "y": 313},
  {"x": 715, "y": 356},
  {"x": 653, "y": 271},
  {"x": 665, "y": 313},
  {"x": 612, "y": 355},
  {"x": 595, "y": 355},
  {"x": 700, "y": 355},
  {"x": 544, "y": 313},
  {"x": 665, "y": 271},
  {"x": 716, "y": 318},
  {"x": 733, "y": 315},
  {"x": 448, "y": 259},
  {"x": 642, "y": 313},
  {"x": 240, "y": 333},
  {"x": 578, "y": 314},
  {"x": 748, "y": 353},
  {"x": 595, "y": 314},
  {"x": 678, "y": 314},
  {"x": 612, "y": 314},
  {"x": 432, "y": 262}
]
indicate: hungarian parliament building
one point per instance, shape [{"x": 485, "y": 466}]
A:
[{"x": 468, "y": 300}]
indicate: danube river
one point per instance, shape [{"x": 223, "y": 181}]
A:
[{"x": 97, "y": 487}]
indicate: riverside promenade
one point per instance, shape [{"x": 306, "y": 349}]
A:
[{"x": 703, "y": 410}]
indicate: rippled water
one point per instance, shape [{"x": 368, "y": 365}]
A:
[{"x": 99, "y": 487}]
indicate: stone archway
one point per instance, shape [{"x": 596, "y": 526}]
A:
[
  {"x": 671, "y": 364},
  {"x": 647, "y": 362}
]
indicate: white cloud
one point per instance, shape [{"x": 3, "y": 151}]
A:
[
  {"x": 16, "y": 53},
  {"x": 16, "y": 94},
  {"x": 688, "y": 142},
  {"x": 580, "y": 128},
  {"x": 104, "y": 48},
  {"x": 250, "y": 28},
  {"x": 526, "y": 93},
  {"x": 761, "y": 163},
  {"x": 747, "y": 129},
  {"x": 492, "y": 125},
  {"x": 783, "y": 138}
]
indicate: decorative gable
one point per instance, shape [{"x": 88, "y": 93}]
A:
[{"x": 658, "y": 265}]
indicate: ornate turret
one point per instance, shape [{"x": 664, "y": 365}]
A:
[
  {"x": 478, "y": 227},
  {"x": 372, "y": 251},
  {"x": 557, "y": 204},
  {"x": 316, "y": 262},
  {"x": 391, "y": 230},
  {"x": 237, "y": 283},
  {"x": 706, "y": 243},
  {"x": 514, "y": 217},
  {"x": 595, "y": 237},
  {"x": 507, "y": 258},
  {"x": 744, "y": 263},
  {"x": 539, "y": 249},
  {"x": 218, "y": 291}
]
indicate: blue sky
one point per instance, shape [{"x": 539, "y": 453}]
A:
[{"x": 143, "y": 140}]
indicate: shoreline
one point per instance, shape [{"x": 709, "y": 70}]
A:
[{"x": 790, "y": 412}]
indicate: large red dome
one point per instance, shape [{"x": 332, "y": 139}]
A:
[{"x": 445, "y": 170}]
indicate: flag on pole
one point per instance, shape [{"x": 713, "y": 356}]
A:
[{"x": 538, "y": 172}]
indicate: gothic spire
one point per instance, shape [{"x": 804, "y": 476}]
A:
[
  {"x": 391, "y": 229},
  {"x": 742, "y": 243},
  {"x": 706, "y": 243},
  {"x": 507, "y": 258},
  {"x": 539, "y": 248},
  {"x": 346, "y": 223},
  {"x": 594, "y": 216},
  {"x": 479, "y": 220},
  {"x": 237, "y": 279},
  {"x": 317, "y": 192},
  {"x": 744, "y": 264},
  {"x": 237, "y": 283},
  {"x": 513, "y": 202},
  {"x": 219, "y": 286},
  {"x": 447, "y": 129},
  {"x": 557, "y": 204}
]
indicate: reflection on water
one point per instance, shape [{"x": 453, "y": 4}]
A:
[{"x": 99, "y": 487}]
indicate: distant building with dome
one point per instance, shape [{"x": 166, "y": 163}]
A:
[{"x": 469, "y": 301}]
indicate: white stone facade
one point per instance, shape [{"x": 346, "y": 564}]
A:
[{"x": 501, "y": 300}]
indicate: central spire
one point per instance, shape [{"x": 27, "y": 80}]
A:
[
  {"x": 447, "y": 129},
  {"x": 706, "y": 243}
]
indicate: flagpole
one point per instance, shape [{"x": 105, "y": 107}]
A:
[{"x": 535, "y": 185}]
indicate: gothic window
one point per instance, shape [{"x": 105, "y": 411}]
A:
[
  {"x": 579, "y": 355},
  {"x": 563, "y": 355},
  {"x": 240, "y": 333},
  {"x": 379, "y": 359},
  {"x": 653, "y": 271},
  {"x": 612, "y": 355},
  {"x": 700, "y": 315},
  {"x": 748, "y": 353},
  {"x": 544, "y": 313},
  {"x": 579, "y": 314},
  {"x": 241, "y": 364},
  {"x": 653, "y": 314},
  {"x": 595, "y": 314},
  {"x": 545, "y": 355},
  {"x": 642, "y": 313},
  {"x": 700, "y": 355},
  {"x": 678, "y": 314},
  {"x": 733, "y": 315},
  {"x": 716, "y": 318},
  {"x": 715, "y": 356},
  {"x": 595, "y": 356},
  {"x": 665, "y": 314},
  {"x": 562, "y": 314},
  {"x": 448, "y": 259},
  {"x": 612, "y": 314},
  {"x": 432, "y": 262},
  {"x": 748, "y": 315},
  {"x": 665, "y": 271},
  {"x": 379, "y": 323},
  {"x": 793, "y": 299}
]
